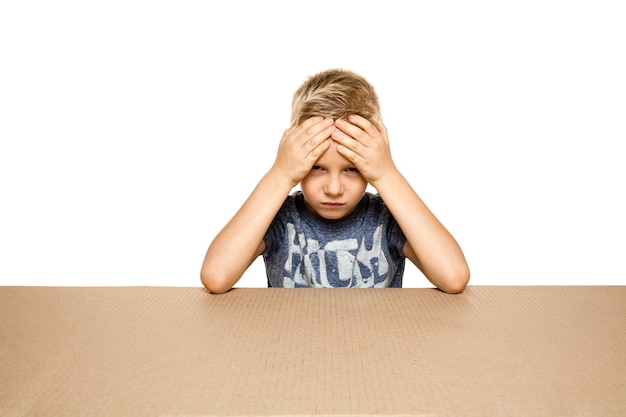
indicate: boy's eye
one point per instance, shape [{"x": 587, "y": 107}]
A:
[
  {"x": 316, "y": 168},
  {"x": 352, "y": 170}
]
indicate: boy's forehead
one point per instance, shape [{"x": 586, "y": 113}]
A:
[{"x": 332, "y": 157}]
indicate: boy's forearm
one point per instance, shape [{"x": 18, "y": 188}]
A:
[
  {"x": 236, "y": 246},
  {"x": 437, "y": 253}
]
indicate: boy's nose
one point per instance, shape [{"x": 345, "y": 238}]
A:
[{"x": 333, "y": 186}]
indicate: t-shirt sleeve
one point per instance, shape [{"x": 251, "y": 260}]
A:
[
  {"x": 395, "y": 237},
  {"x": 271, "y": 237},
  {"x": 273, "y": 234}
]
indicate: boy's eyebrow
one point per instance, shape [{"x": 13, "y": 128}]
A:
[{"x": 342, "y": 166}]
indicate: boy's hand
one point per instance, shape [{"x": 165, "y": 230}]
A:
[
  {"x": 366, "y": 145},
  {"x": 301, "y": 146}
]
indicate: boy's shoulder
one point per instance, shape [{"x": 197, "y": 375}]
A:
[{"x": 374, "y": 200}]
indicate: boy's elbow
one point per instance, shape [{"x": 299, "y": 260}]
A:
[
  {"x": 214, "y": 283},
  {"x": 456, "y": 281}
]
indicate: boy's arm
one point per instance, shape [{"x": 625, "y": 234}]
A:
[
  {"x": 429, "y": 245},
  {"x": 240, "y": 242}
]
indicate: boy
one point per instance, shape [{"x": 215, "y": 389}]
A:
[{"x": 332, "y": 233}]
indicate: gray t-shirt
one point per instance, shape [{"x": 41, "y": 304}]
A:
[{"x": 362, "y": 250}]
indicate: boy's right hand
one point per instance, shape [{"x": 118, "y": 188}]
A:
[{"x": 301, "y": 146}]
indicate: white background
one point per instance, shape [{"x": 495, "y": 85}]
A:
[{"x": 132, "y": 131}]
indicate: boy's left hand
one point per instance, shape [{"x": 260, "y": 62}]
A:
[{"x": 366, "y": 145}]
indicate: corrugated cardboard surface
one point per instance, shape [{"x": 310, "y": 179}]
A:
[{"x": 152, "y": 351}]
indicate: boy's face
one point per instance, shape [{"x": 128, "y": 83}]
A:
[{"x": 334, "y": 187}]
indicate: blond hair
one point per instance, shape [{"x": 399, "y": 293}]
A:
[{"x": 334, "y": 93}]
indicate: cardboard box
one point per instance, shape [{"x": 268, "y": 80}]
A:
[{"x": 153, "y": 351}]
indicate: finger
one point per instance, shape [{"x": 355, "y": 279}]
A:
[
  {"x": 297, "y": 131},
  {"x": 315, "y": 134},
  {"x": 352, "y": 138},
  {"x": 380, "y": 125},
  {"x": 360, "y": 121},
  {"x": 318, "y": 151},
  {"x": 288, "y": 132},
  {"x": 349, "y": 154},
  {"x": 310, "y": 122},
  {"x": 315, "y": 123},
  {"x": 372, "y": 128},
  {"x": 346, "y": 140},
  {"x": 356, "y": 132},
  {"x": 382, "y": 129}
]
